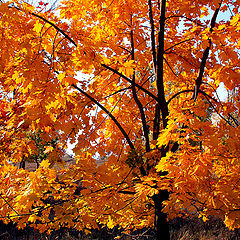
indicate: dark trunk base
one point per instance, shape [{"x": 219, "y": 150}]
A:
[{"x": 161, "y": 224}]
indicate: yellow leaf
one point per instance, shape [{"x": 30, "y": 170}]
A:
[
  {"x": 45, "y": 163},
  {"x": 48, "y": 149},
  {"x": 163, "y": 164},
  {"x": 32, "y": 218},
  {"x": 165, "y": 136},
  {"x": 235, "y": 20},
  {"x": 110, "y": 223},
  {"x": 37, "y": 27},
  {"x": 61, "y": 76}
]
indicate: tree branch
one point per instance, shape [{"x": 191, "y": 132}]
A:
[
  {"x": 205, "y": 56},
  {"x": 118, "y": 91},
  {"x": 175, "y": 95},
  {"x": 50, "y": 23},
  {"x": 108, "y": 113},
  {"x": 170, "y": 67},
  {"x": 56, "y": 27},
  {"x": 152, "y": 35},
  {"x": 8, "y": 204},
  {"x": 139, "y": 104},
  {"x": 162, "y": 105},
  {"x": 80, "y": 90},
  {"x": 229, "y": 123},
  {"x": 189, "y": 90}
]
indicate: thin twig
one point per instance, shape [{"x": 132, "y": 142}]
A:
[
  {"x": 177, "y": 44},
  {"x": 130, "y": 81},
  {"x": 170, "y": 67}
]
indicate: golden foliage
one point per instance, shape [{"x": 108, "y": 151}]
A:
[{"x": 86, "y": 76}]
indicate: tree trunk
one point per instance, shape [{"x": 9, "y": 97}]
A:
[{"x": 161, "y": 225}]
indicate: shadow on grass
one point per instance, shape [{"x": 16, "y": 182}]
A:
[{"x": 181, "y": 229}]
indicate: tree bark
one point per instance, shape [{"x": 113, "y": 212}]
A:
[{"x": 161, "y": 225}]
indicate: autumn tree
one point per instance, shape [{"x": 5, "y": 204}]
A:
[{"x": 130, "y": 80}]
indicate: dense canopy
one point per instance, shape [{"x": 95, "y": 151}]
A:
[{"x": 133, "y": 83}]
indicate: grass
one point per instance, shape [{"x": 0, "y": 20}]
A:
[
  {"x": 181, "y": 229},
  {"x": 196, "y": 229}
]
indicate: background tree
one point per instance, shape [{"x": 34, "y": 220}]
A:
[{"x": 132, "y": 81}]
